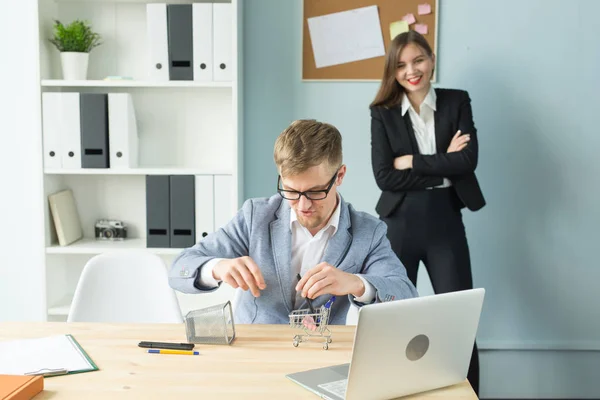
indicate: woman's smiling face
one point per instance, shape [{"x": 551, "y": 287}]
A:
[{"x": 414, "y": 69}]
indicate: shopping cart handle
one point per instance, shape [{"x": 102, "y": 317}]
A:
[{"x": 330, "y": 302}]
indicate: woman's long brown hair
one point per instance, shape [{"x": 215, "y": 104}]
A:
[{"x": 390, "y": 92}]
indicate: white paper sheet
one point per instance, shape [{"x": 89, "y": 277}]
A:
[
  {"x": 19, "y": 357},
  {"x": 346, "y": 36}
]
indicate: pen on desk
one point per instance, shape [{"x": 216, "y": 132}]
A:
[
  {"x": 312, "y": 310},
  {"x": 182, "y": 352},
  {"x": 166, "y": 345}
]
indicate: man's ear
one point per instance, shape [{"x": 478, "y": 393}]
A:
[{"x": 341, "y": 175}]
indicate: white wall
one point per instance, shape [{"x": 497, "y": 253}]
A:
[{"x": 22, "y": 291}]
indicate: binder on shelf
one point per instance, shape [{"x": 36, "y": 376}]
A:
[
  {"x": 51, "y": 129},
  {"x": 205, "y": 206},
  {"x": 180, "y": 38},
  {"x": 65, "y": 217},
  {"x": 93, "y": 109},
  {"x": 157, "y": 211},
  {"x": 122, "y": 131},
  {"x": 158, "y": 45},
  {"x": 224, "y": 201},
  {"x": 70, "y": 140},
  {"x": 222, "y": 42},
  {"x": 202, "y": 18},
  {"x": 182, "y": 203}
]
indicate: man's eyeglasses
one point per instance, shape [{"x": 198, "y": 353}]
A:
[{"x": 310, "y": 194}]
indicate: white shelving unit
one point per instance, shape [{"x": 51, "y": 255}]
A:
[
  {"x": 133, "y": 84},
  {"x": 184, "y": 128},
  {"x": 93, "y": 246},
  {"x": 138, "y": 171}
]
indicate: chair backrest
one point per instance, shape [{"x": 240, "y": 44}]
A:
[{"x": 127, "y": 286}]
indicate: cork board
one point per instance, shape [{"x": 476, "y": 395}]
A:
[{"x": 369, "y": 69}]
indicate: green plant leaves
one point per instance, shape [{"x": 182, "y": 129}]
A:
[{"x": 76, "y": 37}]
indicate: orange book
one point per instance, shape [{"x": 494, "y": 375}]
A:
[{"x": 20, "y": 387}]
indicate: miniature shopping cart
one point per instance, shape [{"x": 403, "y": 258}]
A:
[{"x": 314, "y": 323}]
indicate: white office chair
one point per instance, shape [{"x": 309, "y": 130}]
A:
[{"x": 125, "y": 287}]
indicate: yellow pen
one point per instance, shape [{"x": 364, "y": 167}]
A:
[{"x": 165, "y": 351}]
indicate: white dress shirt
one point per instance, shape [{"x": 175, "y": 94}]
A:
[
  {"x": 307, "y": 252},
  {"x": 423, "y": 124}
]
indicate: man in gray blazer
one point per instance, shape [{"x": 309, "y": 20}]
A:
[{"x": 306, "y": 230}]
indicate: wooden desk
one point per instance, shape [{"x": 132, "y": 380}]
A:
[{"x": 253, "y": 367}]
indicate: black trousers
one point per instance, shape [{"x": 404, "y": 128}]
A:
[{"x": 427, "y": 226}]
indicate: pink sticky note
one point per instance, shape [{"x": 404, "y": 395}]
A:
[
  {"x": 424, "y": 9},
  {"x": 309, "y": 322},
  {"x": 409, "y": 18},
  {"x": 421, "y": 28}
]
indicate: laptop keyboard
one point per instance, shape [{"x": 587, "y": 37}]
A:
[{"x": 336, "y": 387}]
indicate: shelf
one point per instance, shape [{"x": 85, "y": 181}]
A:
[
  {"x": 136, "y": 171},
  {"x": 61, "y": 308},
  {"x": 93, "y": 246},
  {"x": 126, "y": 1},
  {"x": 134, "y": 84}
]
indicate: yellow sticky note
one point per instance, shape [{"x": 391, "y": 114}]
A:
[{"x": 397, "y": 28}]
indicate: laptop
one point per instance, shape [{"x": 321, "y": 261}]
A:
[{"x": 403, "y": 347}]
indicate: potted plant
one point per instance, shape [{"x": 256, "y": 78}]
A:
[{"x": 74, "y": 41}]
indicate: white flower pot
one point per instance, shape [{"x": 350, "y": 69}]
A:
[{"x": 74, "y": 65}]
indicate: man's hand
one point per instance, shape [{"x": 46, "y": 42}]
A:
[
  {"x": 403, "y": 162},
  {"x": 459, "y": 142},
  {"x": 326, "y": 279},
  {"x": 240, "y": 272}
]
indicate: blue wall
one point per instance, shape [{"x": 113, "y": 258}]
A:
[{"x": 531, "y": 68}]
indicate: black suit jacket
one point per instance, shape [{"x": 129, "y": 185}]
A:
[{"x": 392, "y": 136}]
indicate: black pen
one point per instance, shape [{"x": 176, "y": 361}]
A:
[
  {"x": 167, "y": 346},
  {"x": 312, "y": 310}
]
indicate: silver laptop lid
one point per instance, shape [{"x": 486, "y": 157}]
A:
[{"x": 413, "y": 345}]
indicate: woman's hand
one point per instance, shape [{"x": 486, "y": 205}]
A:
[
  {"x": 459, "y": 142},
  {"x": 404, "y": 162}
]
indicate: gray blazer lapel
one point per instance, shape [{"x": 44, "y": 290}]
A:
[
  {"x": 281, "y": 242},
  {"x": 340, "y": 242}
]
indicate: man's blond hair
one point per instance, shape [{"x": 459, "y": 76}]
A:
[{"x": 305, "y": 144}]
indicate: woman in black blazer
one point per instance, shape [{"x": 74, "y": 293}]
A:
[{"x": 424, "y": 155}]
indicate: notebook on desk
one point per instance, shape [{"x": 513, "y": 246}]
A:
[
  {"x": 47, "y": 356},
  {"x": 17, "y": 387}
]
